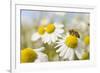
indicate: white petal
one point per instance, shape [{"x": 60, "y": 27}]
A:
[
  {"x": 62, "y": 53},
  {"x": 46, "y": 39},
  {"x": 59, "y": 31},
  {"x": 59, "y": 35},
  {"x": 60, "y": 41},
  {"x": 42, "y": 57},
  {"x": 59, "y": 25},
  {"x": 71, "y": 57},
  {"x": 35, "y": 37},
  {"x": 66, "y": 54},
  {"x": 59, "y": 45},
  {"x": 80, "y": 43},
  {"x": 60, "y": 49},
  {"x": 79, "y": 52},
  {"x": 40, "y": 49},
  {"x": 69, "y": 54},
  {"x": 53, "y": 38}
]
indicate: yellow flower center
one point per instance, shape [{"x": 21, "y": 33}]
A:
[
  {"x": 50, "y": 28},
  {"x": 85, "y": 56},
  {"x": 28, "y": 55},
  {"x": 41, "y": 30},
  {"x": 87, "y": 40},
  {"x": 71, "y": 41}
]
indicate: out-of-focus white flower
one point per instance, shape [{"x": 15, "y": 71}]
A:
[
  {"x": 81, "y": 23},
  {"x": 81, "y": 18},
  {"x": 29, "y": 55},
  {"x": 48, "y": 33},
  {"x": 70, "y": 45},
  {"x": 83, "y": 26}
]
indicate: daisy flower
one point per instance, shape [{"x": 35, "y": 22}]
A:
[
  {"x": 48, "y": 33},
  {"x": 69, "y": 46},
  {"x": 29, "y": 55}
]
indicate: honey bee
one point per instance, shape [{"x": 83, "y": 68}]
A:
[{"x": 74, "y": 33}]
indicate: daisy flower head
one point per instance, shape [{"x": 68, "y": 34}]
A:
[
  {"x": 69, "y": 46},
  {"x": 48, "y": 33},
  {"x": 29, "y": 55}
]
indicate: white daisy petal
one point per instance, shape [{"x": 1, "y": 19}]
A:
[
  {"x": 59, "y": 25},
  {"x": 59, "y": 31},
  {"x": 35, "y": 37},
  {"x": 71, "y": 55},
  {"x": 53, "y": 39},
  {"x": 79, "y": 52},
  {"x": 60, "y": 49},
  {"x": 60, "y": 41},
  {"x": 62, "y": 53},
  {"x": 59, "y": 35},
  {"x": 67, "y": 54},
  {"x": 80, "y": 44},
  {"x": 42, "y": 57},
  {"x": 46, "y": 39},
  {"x": 40, "y": 49},
  {"x": 58, "y": 45}
]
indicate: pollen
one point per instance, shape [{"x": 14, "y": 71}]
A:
[
  {"x": 87, "y": 40},
  {"x": 71, "y": 41},
  {"x": 28, "y": 55},
  {"x": 41, "y": 30},
  {"x": 50, "y": 28}
]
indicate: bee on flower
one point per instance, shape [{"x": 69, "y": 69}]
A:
[
  {"x": 29, "y": 55},
  {"x": 48, "y": 33},
  {"x": 70, "y": 45}
]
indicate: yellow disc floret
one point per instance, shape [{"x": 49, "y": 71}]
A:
[
  {"x": 28, "y": 55},
  {"x": 50, "y": 28},
  {"x": 85, "y": 56},
  {"x": 41, "y": 30},
  {"x": 87, "y": 40},
  {"x": 71, "y": 41}
]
